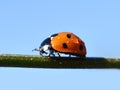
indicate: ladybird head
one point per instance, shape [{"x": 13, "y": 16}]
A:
[
  {"x": 45, "y": 45},
  {"x": 47, "y": 42}
]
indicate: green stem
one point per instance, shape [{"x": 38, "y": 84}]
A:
[{"x": 28, "y": 61}]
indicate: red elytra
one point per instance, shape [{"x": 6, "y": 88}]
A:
[{"x": 67, "y": 42}]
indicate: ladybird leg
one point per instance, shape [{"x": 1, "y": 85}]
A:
[
  {"x": 51, "y": 53},
  {"x": 41, "y": 54},
  {"x": 58, "y": 54},
  {"x": 69, "y": 55},
  {"x": 83, "y": 56},
  {"x": 45, "y": 52}
]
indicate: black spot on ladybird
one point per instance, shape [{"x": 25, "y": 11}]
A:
[
  {"x": 65, "y": 45},
  {"x": 68, "y": 35},
  {"x": 81, "y": 47}
]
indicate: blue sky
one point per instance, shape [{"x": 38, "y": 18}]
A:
[{"x": 25, "y": 23}]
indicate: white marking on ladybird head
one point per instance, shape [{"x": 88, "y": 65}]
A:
[
  {"x": 46, "y": 47},
  {"x": 51, "y": 38}
]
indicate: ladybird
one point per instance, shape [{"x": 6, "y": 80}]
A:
[{"x": 63, "y": 42}]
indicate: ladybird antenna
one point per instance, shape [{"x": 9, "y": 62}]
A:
[{"x": 36, "y": 49}]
